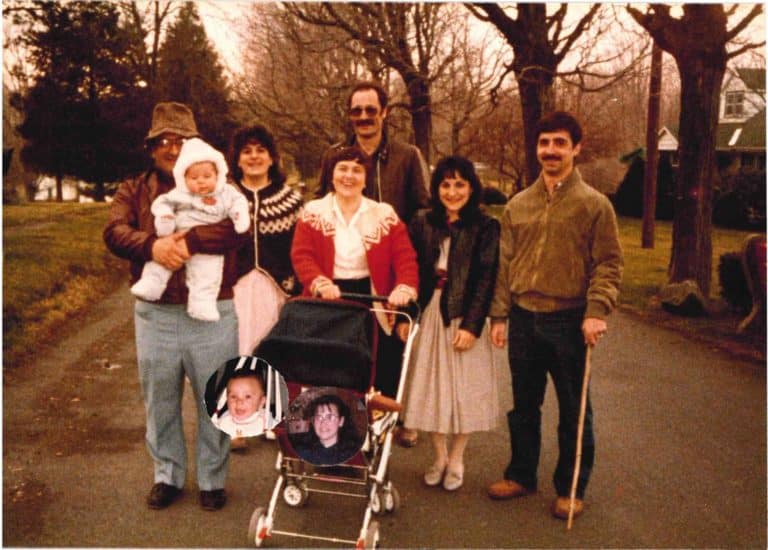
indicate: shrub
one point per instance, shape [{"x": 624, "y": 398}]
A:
[
  {"x": 628, "y": 199},
  {"x": 740, "y": 201},
  {"x": 733, "y": 283}
]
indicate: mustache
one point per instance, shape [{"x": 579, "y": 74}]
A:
[
  {"x": 364, "y": 123},
  {"x": 551, "y": 157}
]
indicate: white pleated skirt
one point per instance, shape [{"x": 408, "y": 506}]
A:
[{"x": 450, "y": 392}]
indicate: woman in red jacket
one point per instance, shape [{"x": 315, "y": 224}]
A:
[{"x": 345, "y": 242}]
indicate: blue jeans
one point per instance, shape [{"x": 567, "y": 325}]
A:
[
  {"x": 541, "y": 343},
  {"x": 170, "y": 345}
]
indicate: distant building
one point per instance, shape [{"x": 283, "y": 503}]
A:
[{"x": 741, "y": 124}]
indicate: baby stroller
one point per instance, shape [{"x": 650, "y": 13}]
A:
[{"x": 322, "y": 343}]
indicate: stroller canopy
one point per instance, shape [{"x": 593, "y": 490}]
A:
[{"x": 322, "y": 343}]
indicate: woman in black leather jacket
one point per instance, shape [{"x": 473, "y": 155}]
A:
[{"x": 452, "y": 384}]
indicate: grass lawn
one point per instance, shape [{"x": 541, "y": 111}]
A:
[
  {"x": 55, "y": 265},
  {"x": 645, "y": 270}
]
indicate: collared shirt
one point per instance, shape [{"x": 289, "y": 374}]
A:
[{"x": 350, "y": 261}]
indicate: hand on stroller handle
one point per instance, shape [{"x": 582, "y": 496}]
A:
[{"x": 412, "y": 308}]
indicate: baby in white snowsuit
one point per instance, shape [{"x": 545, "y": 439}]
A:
[{"x": 201, "y": 197}]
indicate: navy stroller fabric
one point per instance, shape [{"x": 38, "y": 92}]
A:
[{"x": 322, "y": 343}]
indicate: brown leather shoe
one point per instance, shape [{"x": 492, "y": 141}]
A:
[
  {"x": 561, "y": 505},
  {"x": 506, "y": 489},
  {"x": 406, "y": 437},
  {"x": 238, "y": 444}
]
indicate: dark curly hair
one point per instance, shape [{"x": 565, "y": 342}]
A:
[
  {"x": 257, "y": 135},
  {"x": 453, "y": 166}
]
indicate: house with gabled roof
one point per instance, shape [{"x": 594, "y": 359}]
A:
[
  {"x": 740, "y": 142},
  {"x": 741, "y": 126}
]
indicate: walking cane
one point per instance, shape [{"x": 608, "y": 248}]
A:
[{"x": 580, "y": 434}]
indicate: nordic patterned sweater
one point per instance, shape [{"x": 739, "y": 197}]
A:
[{"x": 274, "y": 211}]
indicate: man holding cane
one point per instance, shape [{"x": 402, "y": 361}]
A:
[{"x": 559, "y": 273}]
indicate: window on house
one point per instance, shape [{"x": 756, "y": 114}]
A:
[{"x": 734, "y": 104}]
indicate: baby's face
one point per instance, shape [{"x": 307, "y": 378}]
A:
[
  {"x": 244, "y": 397},
  {"x": 200, "y": 178}
]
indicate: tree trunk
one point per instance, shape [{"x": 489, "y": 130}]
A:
[
  {"x": 536, "y": 99},
  {"x": 59, "y": 188},
  {"x": 652, "y": 149},
  {"x": 98, "y": 192},
  {"x": 421, "y": 113},
  {"x": 701, "y": 80}
]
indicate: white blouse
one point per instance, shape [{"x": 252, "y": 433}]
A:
[{"x": 350, "y": 261}]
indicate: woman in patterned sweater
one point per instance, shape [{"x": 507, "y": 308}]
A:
[{"x": 266, "y": 277}]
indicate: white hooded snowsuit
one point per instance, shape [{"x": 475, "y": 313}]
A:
[{"x": 179, "y": 210}]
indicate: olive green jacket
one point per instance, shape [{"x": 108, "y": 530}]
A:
[{"x": 559, "y": 253}]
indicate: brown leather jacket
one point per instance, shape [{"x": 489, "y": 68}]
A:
[
  {"x": 398, "y": 175},
  {"x": 130, "y": 234}
]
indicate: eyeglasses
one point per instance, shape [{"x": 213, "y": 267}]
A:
[
  {"x": 326, "y": 417},
  {"x": 166, "y": 143},
  {"x": 369, "y": 110}
]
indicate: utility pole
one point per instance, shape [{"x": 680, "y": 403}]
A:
[{"x": 652, "y": 149}]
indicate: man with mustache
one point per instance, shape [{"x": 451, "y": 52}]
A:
[
  {"x": 560, "y": 266},
  {"x": 396, "y": 175}
]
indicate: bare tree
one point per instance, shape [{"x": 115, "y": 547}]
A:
[
  {"x": 541, "y": 41},
  {"x": 410, "y": 39},
  {"x": 141, "y": 22},
  {"x": 462, "y": 94},
  {"x": 295, "y": 80},
  {"x": 699, "y": 43}
]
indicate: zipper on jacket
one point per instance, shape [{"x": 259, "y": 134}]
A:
[
  {"x": 540, "y": 245},
  {"x": 256, "y": 228}
]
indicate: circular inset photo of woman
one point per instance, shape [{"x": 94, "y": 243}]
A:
[
  {"x": 246, "y": 397},
  {"x": 326, "y": 426}
]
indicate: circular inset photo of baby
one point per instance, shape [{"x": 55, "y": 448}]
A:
[
  {"x": 326, "y": 426},
  {"x": 246, "y": 397}
]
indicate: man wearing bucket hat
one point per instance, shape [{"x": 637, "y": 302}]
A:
[{"x": 169, "y": 343}]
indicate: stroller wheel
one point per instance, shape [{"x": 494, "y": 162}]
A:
[
  {"x": 371, "y": 539},
  {"x": 295, "y": 495},
  {"x": 376, "y": 502},
  {"x": 391, "y": 498},
  {"x": 257, "y": 527}
]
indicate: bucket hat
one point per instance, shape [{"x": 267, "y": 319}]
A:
[{"x": 172, "y": 117}]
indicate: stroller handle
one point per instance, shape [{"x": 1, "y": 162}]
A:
[{"x": 412, "y": 308}]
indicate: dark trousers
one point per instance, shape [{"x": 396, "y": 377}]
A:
[
  {"x": 389, "y": 353},
  {"x": 541, "y": 343}
]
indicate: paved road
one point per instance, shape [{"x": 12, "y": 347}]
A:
[{"x": 681, "y": 458}]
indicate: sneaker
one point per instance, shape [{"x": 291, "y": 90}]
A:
[
  {"x": 162, "y": 495},
  {"x": 561, "y": 506},
  {"x": 213, "y": 500}
]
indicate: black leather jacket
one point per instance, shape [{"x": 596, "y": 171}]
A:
[{"x": 473, "y": 260}]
